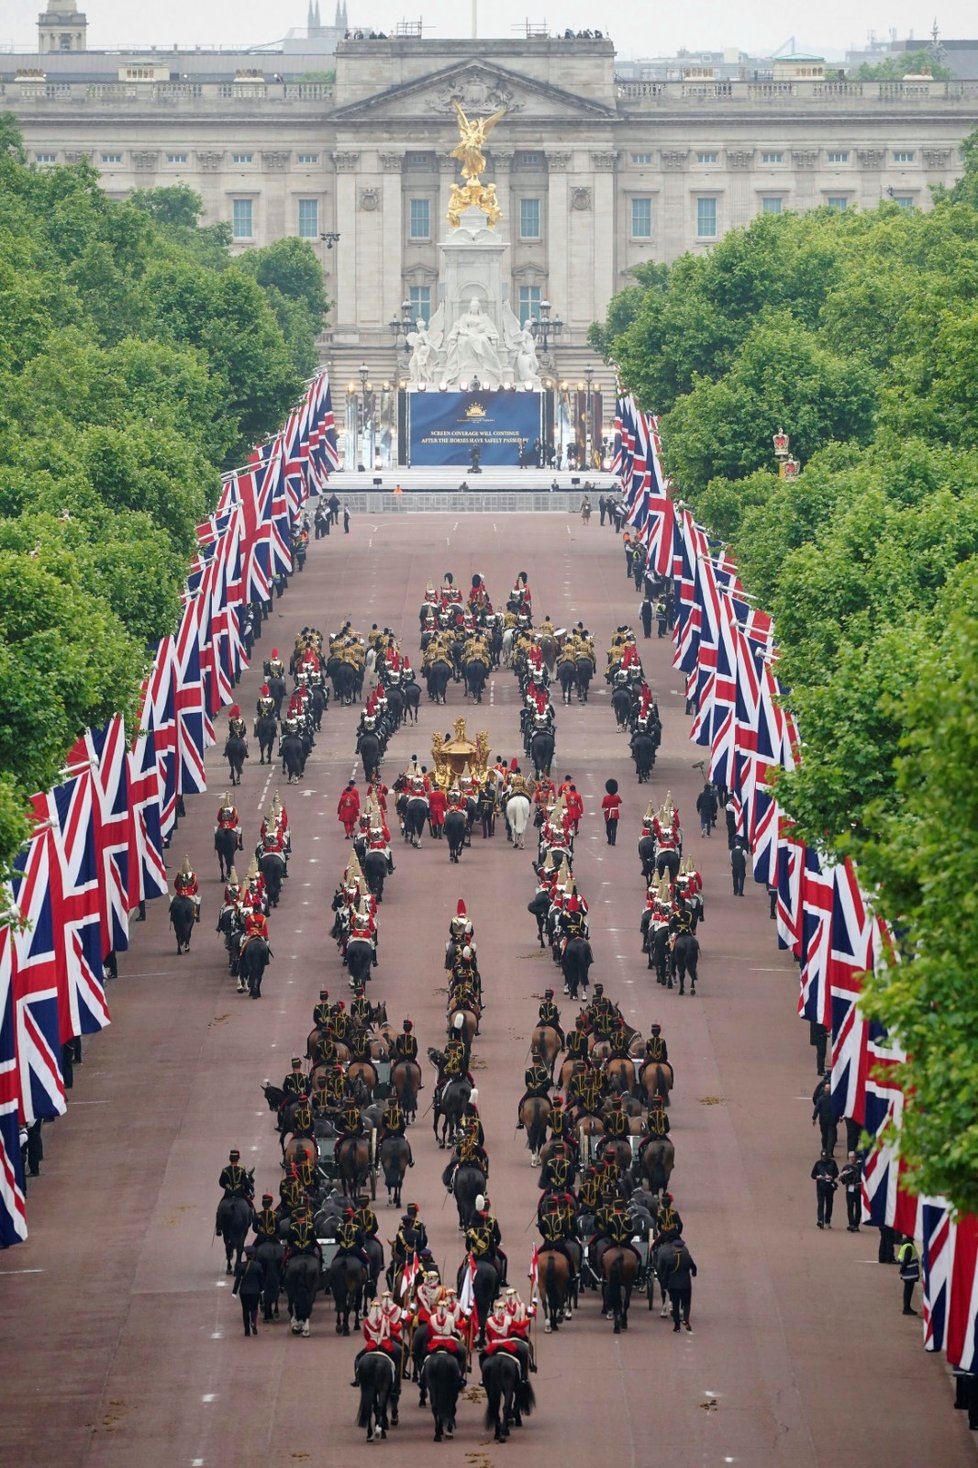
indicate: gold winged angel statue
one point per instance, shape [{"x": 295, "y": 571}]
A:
[{"x": 473, "y": 132}]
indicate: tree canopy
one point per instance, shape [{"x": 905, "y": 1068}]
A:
[
  {"x": 857, "y": 332},
  {"x": 138, "y": 357}
]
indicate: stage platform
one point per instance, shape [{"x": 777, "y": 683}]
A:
[{"x": 495, "y": 490}]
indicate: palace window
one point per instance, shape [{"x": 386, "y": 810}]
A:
[
  {"x": 903, "y": 155},
  {"x": 420, "y": 224},
  {"x": 242, "y": 221},
  {"x": 708, "y": 157},
  {"x": 529, "y": 303},
  {"x": 642, "y": 159},
  {"x": 45, "y": 157},
  {"x": 242, "y": 157},
  {"x": 905, "y": 201},
  {"x": 641, "y": 219},
  {"x": 838, "y": 157},
  {"x": 772, "y": 158},
  {"x": 529, "y": 219},
  {"x": 308, "y": 158},
  {"x": 420, "y": 298},
  {"x": 706, "y": 219},
  {"x": 837, "y": 201},
  {"x": 111, "y": 157},
  {"x": 308, "y": 219},
  {"x": 177, "y": 158},
  {"x": 772, "y": 204}
]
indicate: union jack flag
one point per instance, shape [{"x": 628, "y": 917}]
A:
[
  {"x": 39, "y": 983},
  {"x": 962, "y": 1313},
  {"x": 147, "y": 873},
  {"x": 817, "y": 896},
  {"x": 74, "y": 878},
  {"x": 161, "y": 719},
  {"x": 938, "y": 1234},
  {"x": 13, "y": 1211},
  {"x": 193, "y": 729},
  {"x": 105, "y": 750}
]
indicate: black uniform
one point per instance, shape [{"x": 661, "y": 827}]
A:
[{"x": 824, "y": 1173}]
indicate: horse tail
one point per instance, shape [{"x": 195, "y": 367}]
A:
[
  {"x": 366, "y": 1402},
  {"x": 527, "y": 1398},
  {"x": 615, "y": 1285},
  {"x": 409, "y": 1100},
  {"x": 490, "y": 1380}
]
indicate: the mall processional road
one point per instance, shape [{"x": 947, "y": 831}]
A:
[{"x": 120, "y": 1346}]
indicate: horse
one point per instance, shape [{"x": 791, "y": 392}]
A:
[
  {"x": 534, "y": 1114},
  {"x": 517, "y": 812},
  {"x": 437, "y": 676},
  {"x": 449, "y": 1108},
  {"x": 369, "y": 748},
  {"x": 293, "y": 757},
  {"x": 406, "y": 1081},
  {"x": 656, "y": 1079},
  {"x": 362, "y": 1076},
  {"x": 346, "y": 1279},
  {"x": 235, "y": 752},
  {"x": 621, "y": 1072},
  {"x": 301, "y": 1151},
  {"x": 182, "y": 916},
  {"x": 276, "y": 692},
  {"x": 272, "y": 868},
  {"x": 234, "y": 1217},
  {"x": 585, "y": 672},
  {"x": 353, "y": 1163},
  {"x": 508, "y": 1397},
  {"x": 415, "y": 815},
  {"x": 658, "y": 1160},
  {"x": 225, "y": 844},
  {"x": 555, "y": 1287},
  {"x": 567, "y": 677},
  {"x": 467, "y": 1183},
  {"x": 411, "y": 693},
  {"x": 575, "y": 961},
  {"x": 395, "y": 1159},
  {"x": 443, "y": 1383},
  {"x": 646, "y": 855},
  {"x": 476, "y": 672},
  {"x": 621, "y": 702},
  {"x": 252, "y": 963},
  {"x": 376, "y": 1378},
  {"x": 469, "y": 1027},
  {"x": 301, "y": 1284},
  {"x": 485, "y": 1288},
  {"x": 618, "y": 1267},
  {"x": 359, "y": 960},
  {"x": 270, "y": 1254},
  {"x": 542, "y": 751},
  {"x": 643, "y": 753},
  {"x": 546, "y": 1039},
  {"x": 455, "y": 828},
  {"x": 374, "y": 865}
]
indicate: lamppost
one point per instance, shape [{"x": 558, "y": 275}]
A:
[
  {"x": 357, "y": 422},
  {"x": 585, "y": 386},
  {"x": 399, "y": 327},
  {"x": 546, "y": 328},
  {"x": 788, "y": 468}
]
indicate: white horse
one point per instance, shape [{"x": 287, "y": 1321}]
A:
[
  {"x": 370, "y": 667},
  {"x": 518, "y": 818},
  {"x": 508, "y": 637}
]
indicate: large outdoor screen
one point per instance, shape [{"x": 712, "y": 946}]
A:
[{"x": 445, "y": 426}]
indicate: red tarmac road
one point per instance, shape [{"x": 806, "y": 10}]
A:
[{"x": 120, "y": 1346}]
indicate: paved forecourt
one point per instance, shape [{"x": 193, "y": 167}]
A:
[{"x": 119, "y": 1342}]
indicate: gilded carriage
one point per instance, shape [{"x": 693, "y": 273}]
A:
[{"x": 451, "y": 756}]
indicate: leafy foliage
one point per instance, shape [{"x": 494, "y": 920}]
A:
[
  {"x": 857, "y": 333},
  {"x": 137, "y": 358}
]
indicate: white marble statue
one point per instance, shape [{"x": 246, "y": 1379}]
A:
[
  {"x": 525, "y": 364},
  {"x": 472, "y": 347},
  {"x": 424, "y": 356}
]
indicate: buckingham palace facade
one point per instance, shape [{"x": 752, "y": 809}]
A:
[{"x": 595, "y": 174}]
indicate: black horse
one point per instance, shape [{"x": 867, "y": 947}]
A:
[
  {"x": 412, "y": 700},
  {"x": 347, "y": 1279},
  {"x": 276, "y": 692},
  {"x": 370, "y": 752},
  {"x": 542, "y": 752},
  {"x": 469, "y": 1181},
  {"x": 415, "y": 815},
  {"x": 395, "y": 1159},
  {"x": 643, "y": 753},
  {"x": 585, "y": 672},
  {"x": 359, "y": 959},
  {"x": 270, "y": 1254},
  {"x": 266, "y": 728},
  {"x": 621, "y": 702},
  {"x": 449, "y": 1109},
  {"x": 567, "y": 677},
  {"x": 225, "y": 844},
  {"x": 182, "y": 914},
  {"x": 508, "y": 1398},
  {"x": 443, "y": 1383},
  {"x": 456, "y": 825},
  {"x": 575, "y": 962},
  {"x": 375, "y": 1376},
  {"x": 252, "y": 964},
  {"x": 301, "y": 1284},
  {"x": 235, "y": 752},
  {"x": 234, "y": 1217},
  {"x": 437, "y": 676},
  {"x": 374, "y": 865},
  {"x": 272, "y": 868},
  {"x": 293, "y": 755},
  {"x": 476, "y": 673}
]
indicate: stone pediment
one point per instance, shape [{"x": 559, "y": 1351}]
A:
[{"x": 479, "y": 87}]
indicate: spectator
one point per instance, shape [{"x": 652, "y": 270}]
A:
[{"x": 823, "y": 1113}]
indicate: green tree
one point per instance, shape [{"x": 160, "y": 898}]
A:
[{"x": 907, "y": 63}]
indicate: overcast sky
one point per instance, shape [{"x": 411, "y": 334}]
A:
[{"x": 639, "y": 28}]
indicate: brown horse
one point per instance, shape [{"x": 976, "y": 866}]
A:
[
  {"x": 620, "y": 1149},
  {"x": 469, "y": 1027},
  {"x": 618, "y": 1267},
  {"x": 621, "y": 1074},
  {"x": 406, "y": 1080},
  {"x": 554, "y": 1287},
  {"x": 353, "y": 1162},
  {"x": 303, "y": 1153},
  {"x": 365, "y": 1072},
  {"x": 656, "y": 1079},
  {"x": 314, "y": 1036},
  {"x": 535, "y": 1114},
  {"x": 658, "y": 1160},
  {"x": 546, "y": 1039},
  {"x": 568, "y": 1071}
]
